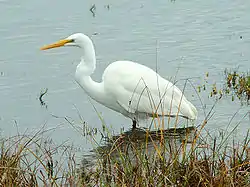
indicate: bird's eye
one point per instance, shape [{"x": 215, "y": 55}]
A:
[{"x": 72, "y": 40}]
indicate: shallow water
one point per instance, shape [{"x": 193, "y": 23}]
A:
[{"x": 194, "y": 37}]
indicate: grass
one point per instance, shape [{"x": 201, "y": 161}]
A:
[
  {"x": 183, "y": 157},
  {"x": 171, "y": 157}
]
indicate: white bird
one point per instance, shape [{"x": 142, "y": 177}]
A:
[{"x": 129, "y": 88}]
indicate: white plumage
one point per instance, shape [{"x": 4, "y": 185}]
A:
[{"x": 129, "y": 88}]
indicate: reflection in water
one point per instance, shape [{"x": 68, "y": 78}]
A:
[{"x": 149, "y": 144}]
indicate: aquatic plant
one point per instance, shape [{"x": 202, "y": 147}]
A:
[{"x": 236, "y": 84}]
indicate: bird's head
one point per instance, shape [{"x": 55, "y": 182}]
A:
[{"x": 75, "y": 40}]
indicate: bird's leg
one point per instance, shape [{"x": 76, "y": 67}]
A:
[{"x": 134, "y": 123}]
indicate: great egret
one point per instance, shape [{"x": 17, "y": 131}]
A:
[{"x": 129, "y": 88}]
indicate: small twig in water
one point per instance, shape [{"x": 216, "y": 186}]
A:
[
  {"x": 41, "y": 97},
  {"x": 92, "y": 9}
]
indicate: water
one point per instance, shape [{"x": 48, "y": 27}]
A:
[{"x": 193, "y": 37}]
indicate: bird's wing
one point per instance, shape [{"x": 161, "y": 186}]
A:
[
  {"x": 147, "y": 97},
  {"x": 142, "y": 90}
]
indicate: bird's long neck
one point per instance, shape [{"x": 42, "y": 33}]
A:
[{"x": 84, "y": 70}]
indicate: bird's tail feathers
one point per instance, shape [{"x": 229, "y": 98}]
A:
[{"x": 189, "y": 110}]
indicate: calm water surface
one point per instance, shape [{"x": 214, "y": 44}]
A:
[{"x": 193, "y": 37}]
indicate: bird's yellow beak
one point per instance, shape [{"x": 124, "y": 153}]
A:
[{"x": 60, "y": 43}]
